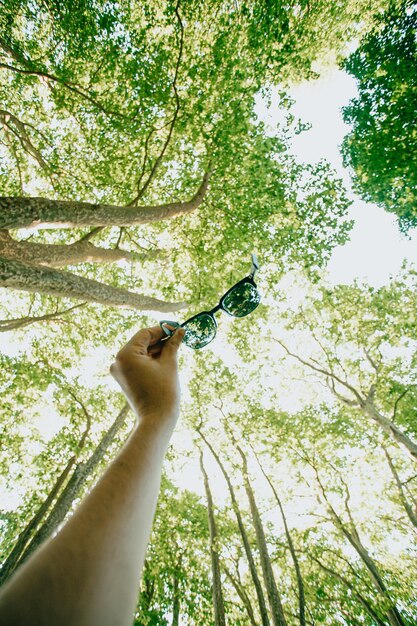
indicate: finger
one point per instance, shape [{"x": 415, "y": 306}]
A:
[
  {"x": 172, "y": 344},
  {"x": 146, "y": 337}
]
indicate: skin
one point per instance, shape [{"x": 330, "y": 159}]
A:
[{"x": 89, "y": 573}]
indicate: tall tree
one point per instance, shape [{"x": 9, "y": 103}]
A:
[
  {"x": 381, "y": 148},
  {"x": 218, "y": 602}
]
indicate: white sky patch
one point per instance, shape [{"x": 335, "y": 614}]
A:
[{"x": 376, "y": 249}]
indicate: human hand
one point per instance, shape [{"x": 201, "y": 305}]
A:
[{"x": 146, "y": 369}]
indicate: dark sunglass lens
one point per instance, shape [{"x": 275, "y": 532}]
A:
[
  {"x": 199, "y": 331},
  {"x": 242, "y": 300}
]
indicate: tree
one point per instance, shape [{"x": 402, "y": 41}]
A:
[
  {"x": 161, "y": 112},
  {"x": 218, "y": 603},
  {"x": 381, "y": 147}
]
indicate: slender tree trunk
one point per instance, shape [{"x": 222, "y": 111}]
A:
[
  {"x": 13, "y": 558},
  {"x": 241, "y": 592},
  {"x": 391, "y": 429},
  {"x": 274, "y": 599},
  {"x": 300, "y": 583},
  {"x": 74, "y": 485},
  {"x": 412, "y": 515},
  {"x": 26, "y": 212},
  {"x": 352, "y": 535},
  {"x": 37, "y": 279},
  {"x": 21, "y": 322},
  {"x": 365, "y": 603},
  {"x": 217, "y": 591},
  {"x": 248, "y": 550},
  {"x": 176, "y": 602}
]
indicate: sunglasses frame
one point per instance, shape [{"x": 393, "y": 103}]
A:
[{"x": 248, "y": 279}]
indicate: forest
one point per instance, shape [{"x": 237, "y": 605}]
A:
[{"x": 136, "y": 180}]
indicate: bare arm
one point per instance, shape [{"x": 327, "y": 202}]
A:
[{"x": 88, "y": 574}]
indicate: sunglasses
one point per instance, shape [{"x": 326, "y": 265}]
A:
[{"x": 239, "y": 301}]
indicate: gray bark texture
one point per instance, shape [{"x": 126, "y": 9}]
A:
[
  {"x": 38, "y": 279},
  {"x": 218, "y": 602},
  {"x": 28, "y": 212},
  {"x": 57, "y": 255}
]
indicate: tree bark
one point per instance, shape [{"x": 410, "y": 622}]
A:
[
  {"x": 57, "y": 255},
  {"x": 365, "y": 603},
  {"x": 28, "y": 212},
  {"x": 352, "y": 535},
  {"x": 300, "y": 583},
  {"x": 241, "y": 592},
  {"x": 248, "y": 550},
  {"x": 176, "y": 601},
  {"x": 412, "y": 515},
  {"x": 21, "y": 322},
  {"x": 358, "y": 399},
  {"x": 13, "y": 558},
  {"x": 217, "y": 591},
  {"x": 391, "y": 429},
  {"x": 74, "y": 485},
  {"x": 274, "y": 599},
  {"x": 37, "y": 279}
]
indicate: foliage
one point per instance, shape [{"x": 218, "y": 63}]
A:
[{"x": 381, "y": 147}]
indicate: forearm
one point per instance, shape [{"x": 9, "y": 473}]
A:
[{"x": 89, "y": 573}]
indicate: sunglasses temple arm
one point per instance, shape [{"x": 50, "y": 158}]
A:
[{"x": 255, "y": 265}]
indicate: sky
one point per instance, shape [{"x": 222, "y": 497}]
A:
[{"x": 376, "y": 248}]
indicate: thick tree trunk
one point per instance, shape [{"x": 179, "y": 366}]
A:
[
  {"x": 217, "y": 591},
  {"x": 74, "y": 485},
  {"x": 38, "y": 279},
  {"x": 19, "y": 212},
  {"x": 274, "y": 599},
  {"x": 300, "y": 583},
  {"x": 58, "y": 255},
  {"x": 248, "y": 550}
]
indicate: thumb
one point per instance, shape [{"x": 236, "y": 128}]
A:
[{"x": 173, "y": 343}]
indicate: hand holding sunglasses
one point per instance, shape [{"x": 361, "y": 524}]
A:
[{"x": 239, "y": 301}]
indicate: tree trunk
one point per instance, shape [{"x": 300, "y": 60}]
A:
[
  {"x": 218, "y": 602},
  {"x": 38, "y": 279},
  {"x": 352, "y": 535},
  {"x": 251, "y": 562},
  {"x": 57, "y": 255},
  {"x": 391, "y": 429},
  {"x": 365, "y": 603},
  {"x": 241, "y": 592},
  {"x": 74, "y": 485},
  {"x": 300, "y": 583},
  {"x": 21, "y": 322},
  {"x": 27, "y": 212},
  {"x": 274, "y": 599},
  {"x": 176, "y": 602},
  {"x": 13, "y": 558},
  {"x": 412, "y": 515}
]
